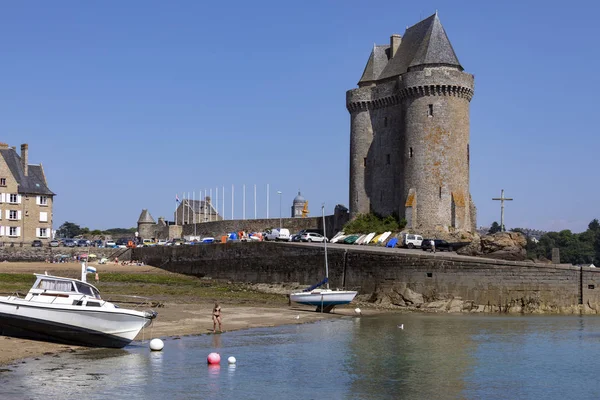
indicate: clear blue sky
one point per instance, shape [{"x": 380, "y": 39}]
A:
[{"x": 127, "y": 103}]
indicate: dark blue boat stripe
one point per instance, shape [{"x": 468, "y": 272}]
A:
[{"x": 37, "y": 329}]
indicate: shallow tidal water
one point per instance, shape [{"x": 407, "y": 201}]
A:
[{"x": 433, "y": 357}]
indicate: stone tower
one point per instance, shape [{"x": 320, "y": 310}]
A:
[
  {"x": 409, "y": 132},
  {"x": 146, "y": 225},
  {"x": 298, "y": 206}
]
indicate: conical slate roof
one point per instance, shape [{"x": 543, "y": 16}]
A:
[
  {"x": 376, "y": 64},
  {"x": 145, "y": 217},
  {"x": 424, "y": 43}
]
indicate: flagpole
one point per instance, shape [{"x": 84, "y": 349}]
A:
[
  {"x": 255, "y": 201},
  {"x": 217, "y": 203},
  {"x": 204, "y": 205},
  {"x": 176, "y": 198},
  {"x": 267, "y": 201},
  {"x": 210, "y": 209},
  {"x": 244, "y": 202},
  {"x": 194, "y": 211},
  {"x": 223, "y": 202}
]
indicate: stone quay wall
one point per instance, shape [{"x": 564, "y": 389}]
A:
[
  {"x": 218, "y": 228},
  {"x": 41, "y": 254},
  {"x": 494, "y": 283}
]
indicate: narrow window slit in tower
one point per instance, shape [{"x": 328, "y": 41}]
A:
[
  {"x": 365, "y": 162},
  {"x": 468, "y": 155},
  {"x": 440, "y": 192},
  {"x": 388, "y": 159},
  {"x": 410, "y": 152},
  {"x": 430, "y": 111}
]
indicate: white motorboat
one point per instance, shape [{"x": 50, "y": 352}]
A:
[
  {"x": 70, "y": 311},
  {"x": 324, "y": 299}
]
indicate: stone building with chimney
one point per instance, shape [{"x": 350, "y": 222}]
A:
[
  {"x": 409, "y": 132},
  {"x": 25, "y": 200}
]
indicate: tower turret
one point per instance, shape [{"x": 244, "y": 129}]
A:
[{"x": 146, "y": 225}]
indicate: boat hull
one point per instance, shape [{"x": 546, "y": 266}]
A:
[
  {"x": 324, "y": 298},
  {"x": 68, "y": 326}
]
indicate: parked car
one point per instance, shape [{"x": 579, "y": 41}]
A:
[
  {"x": 278, "y": 234},
  {"x": 148, "y": 243},
  {"x": 110, "y": 243},
  {"x": 37, "y": 243},
  {"x": 296, "y": 237},
  {"x": 54, "y": 243},
  {"x": 83, "y": 243},
  {"x": 98, "y": 243},
  {"x": 440, "y": 245},
  {"x": 69, "y": 243},
  {"x": 161, "y": 242},
  {"x": 313, "y": 237},
  {"x": 411, "y": 241},
  {"x": 122, "y": 243}
]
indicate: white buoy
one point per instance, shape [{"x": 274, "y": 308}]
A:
[
  {"x": 358, "y": 311},
  {"x": 156, "y": 345},
  {"x": 231, "y": 360},
  {"x": 401, "y": 326}
]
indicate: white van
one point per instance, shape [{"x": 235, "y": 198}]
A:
[
  {"x": 278, "y": 234},
  {"x": 284, "y": 234},
  {"x": 412, "y": 241}
]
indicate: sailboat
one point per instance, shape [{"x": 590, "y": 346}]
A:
[{"x": 324, "y": 299}]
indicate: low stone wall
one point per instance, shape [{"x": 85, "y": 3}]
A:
[
  {"x": 41, "y": 254},
  {"x": 218, "y": 228},
  {"x": 496, "y": 284}
]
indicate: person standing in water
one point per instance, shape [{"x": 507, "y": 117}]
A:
[{"x": 216, "y": 316}]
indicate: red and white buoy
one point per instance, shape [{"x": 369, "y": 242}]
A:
[{"x": 213, "y": 358}]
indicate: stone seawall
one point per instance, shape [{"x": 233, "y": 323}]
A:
[
  {"x": 217, "y": 228},
  {"x": 41, "y": 254},
  {"x": 409, "y": 279}
]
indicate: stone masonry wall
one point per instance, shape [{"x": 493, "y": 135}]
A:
[
  {"x": 218, "y": 228},
  {"x": 41, "y": 254},
  {"x": 484, "y": 281}
]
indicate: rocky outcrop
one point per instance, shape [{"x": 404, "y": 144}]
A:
[
  {"x": 501, "y": 245},
  {"x": 400, "y": 296}
]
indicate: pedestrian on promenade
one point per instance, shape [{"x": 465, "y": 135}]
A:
[
  {"x": 432, "y": 242},
  {"x": 216, "y": 316}
]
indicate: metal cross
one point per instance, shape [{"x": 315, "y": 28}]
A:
[{"x": 502, "y": 199}]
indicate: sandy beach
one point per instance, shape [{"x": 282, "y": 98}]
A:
[{"x": 177, "y": 316}]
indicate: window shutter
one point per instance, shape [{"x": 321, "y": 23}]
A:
[
  {"x": 2, "y": 197},
  {"x": 7, "y": 214},
  {"x": 1, "y": 231},
  {"x": 37, "y": 232},
  {"x": 43, "y": 216},
  {"x": 37, "y": 200},
  {"x": 18, "y": 231},
  {"x": 18, "y": 199},
  {"x": 19, "y": 215}
]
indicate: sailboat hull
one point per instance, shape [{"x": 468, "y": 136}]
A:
[{"x": 324, "y": 297}]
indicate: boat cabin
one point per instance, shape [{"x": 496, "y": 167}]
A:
[{"x": 49, "y": 288}]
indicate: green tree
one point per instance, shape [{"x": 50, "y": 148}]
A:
[
  {"x": 494, "y": 228},
  {"x": 68, "y": 230}
]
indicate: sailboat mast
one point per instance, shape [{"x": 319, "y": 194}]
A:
[{"x": 325, "y": 243}]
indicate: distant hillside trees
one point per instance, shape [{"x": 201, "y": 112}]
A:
[
  {"x": 70, "y": 229},
  {"x": 575, "y": 248}
]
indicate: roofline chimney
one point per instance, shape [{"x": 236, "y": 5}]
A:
[
  {"x": 395, "y": 40},
  {"x": 24, "y": 158}
]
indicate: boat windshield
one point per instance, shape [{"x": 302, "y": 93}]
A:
[
  {"x": 52, "y": 284},
  {"x": 87, "y": 290}
]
